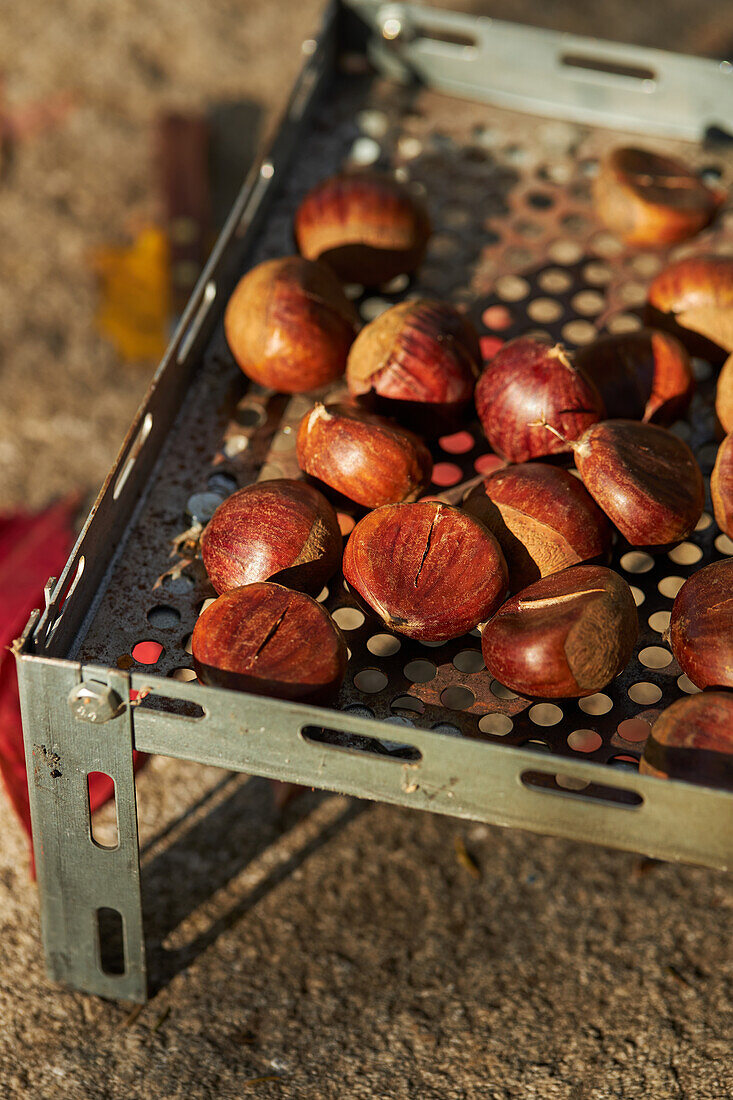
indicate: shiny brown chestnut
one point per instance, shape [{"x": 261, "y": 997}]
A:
[
  {"x": 701, "y": 626},
  {"x": 428, "y": 570},
  {"x": 567, "y": 635},
  {"x": 721, "y": 486},
  {"x": 275, "y": 530},
  {"x": 289, "y": 325},
  {"x": 643, "y": 375},
  {"x": 543, "y": 518},
  {"x": 644, "y": 478},
  {"x": 418, "y": 362},
  {"x": 527, "y": 386},
  {"x": 693, "y": 299},
  {"x": 693, "y": 739},
  {"x": 366, "y": 458},
  {"x": 649, "y": 199},
  {"x": 269, "y": 640},
  {"x": 367, "y": 226},
  {"x": 724, "y": 395}
]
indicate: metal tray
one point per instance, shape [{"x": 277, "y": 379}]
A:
[{"x": 515, "y": 242}]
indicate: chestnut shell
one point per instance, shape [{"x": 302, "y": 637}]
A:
[
  {"x": 702, "y": 727},
  {"x": 693, "y": 299},
  {"x": 279, "y": 529},
  {"x": 724, "y": 395},
  {"x": 289, "y": 325},
  {"x": 428, "y": 570},
  {"x": 701, "y": 626},
  {"x": 366, "y": 458},
  {"x": 721, "y": 486},
  {"x": 543, "y": 518},
  {"x": 567, "y": 635},
  {"x": 269, "y": 640}
]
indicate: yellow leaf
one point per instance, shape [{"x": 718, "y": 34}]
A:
[{"x": 134, "y": 301}]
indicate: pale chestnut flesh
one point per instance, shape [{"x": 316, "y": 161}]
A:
[
  {"x": 543, "y": 518},
  {"x": 724, "y": 395},
  {"x": 721, "y": 486},
  {"x": 427, "y": 570},
  {"x": 693, "y": 739},
  {"x": 567, "y": 635},
  {"x": 701, "y": 626},
  {"x": 693, "y": 299}
]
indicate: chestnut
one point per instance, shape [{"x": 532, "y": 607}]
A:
[
  {"x": 721, "y": 486},
  {"x": 418, "y": 361},
  {"x": 428, "y": 570},
  {"x": 648, "y": 199},
  {"x": 543, "y": 518},
  {"x": 644, "y": 478},
  {"x": 693, "y": 739},
  {"x": 279, "y": 529},
  {"x": 367, "y": 458},
  {"x": 527, "y": 386},
  {"x": 701, "y": 626},
  {"x": 567, "y": 635},
  {"x": 269, "y": 640},
  {"x": 643, "y": 375},
  {"x": 289, "y": 325},
  {"x": 724, "y": 395},
  {"x": 693, "y": 299},
  {"x": 365, "y": 225}
]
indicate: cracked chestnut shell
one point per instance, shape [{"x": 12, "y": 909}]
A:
[
  {"x": 367, "y": 458},
  {"x": 567, "y": 635},
  {"x": 649, "y": 199},
  {"x": 543, "y": 518},
  {"x": 693, "y": 299},
  {"x": 275, "y": 530},
  {"x": 644, "y": 478},
  {"x": 693, "y": 739},
  {"x": 289, "y": 325},
  {"x": 527, "y": 386},
  {"x": 721, "y": 486},
  {"x": 701, "y": 626},
  {"x": 269, "y": 640},
  {"x": 724, "y": 395},
  {"x": 643, "y": 375},
  {"x": 417, "y": 361},
  {"x": 368, "y": 227},
  {"x": 428, "y": 570}
]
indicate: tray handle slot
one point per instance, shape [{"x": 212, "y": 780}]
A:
[
  {"x": 589, "y": 64},
  {"x": 566, "y": 785},
  {"x": 343, "y": 741},
  {"x": 137, "y": 446}
]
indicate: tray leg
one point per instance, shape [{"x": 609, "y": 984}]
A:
[{"x": 91, "y": 914}]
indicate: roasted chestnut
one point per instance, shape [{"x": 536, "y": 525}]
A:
[
  {"x": 275, "y": 530},
  {"x": 693, "y": 739},
  {"x": 721, "y": 486},
  {"x": 644, "y": 478},
  {"x": 649, "y": 199},
  {"x": 365, "y": 225},
  {"x": 367, "y": 458},
  {"x": 642, "y": 375},
  {"x": 289, "y": 325},
  {"x": 269, "y": 640},
  {"x": 543, "y": 518},
  {"x": 567, "y": 635},
  {"x": 693, "y": 299},
  {"x": 417, "y": 361},
  {"x": 724, "y": 395},
  {"x": 527, "y": 386},
  {"x": 426, "y": 569},
  {"x": 701, "y": 626}
]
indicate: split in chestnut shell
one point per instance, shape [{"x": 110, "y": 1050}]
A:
[{"x": 693, "y": 299}]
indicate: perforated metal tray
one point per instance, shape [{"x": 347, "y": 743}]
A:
[{"x": 516, "y": 243}]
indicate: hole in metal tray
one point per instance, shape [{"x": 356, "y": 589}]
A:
[
  {"x": 142, "y": 435},
  {"x": 357, "y": 742},
  {"x": 605, "y": 65},
  {"x": 547, "y": 783},
  {"x": 450, "y": 38},
  {"x": 176, "y": 708}
]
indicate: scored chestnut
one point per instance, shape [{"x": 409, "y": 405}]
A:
[
  {"x": 648, "y": 199},
  {"x": 279, "y": 529},
  {"x": 701, "y": 626},
  {"x": 566, "y": 635},
  {"x": 417, "y": 361},
  {"x": 289, "y": 325},
  {"x": 367, "y": 458},
  {"x": 365, "y": 225},
  {"x": 527, "y": 386},
  {"x": 644, "y": 478},
  {"x": 428, "y": 570},
  {"x": 269, "y": 640},
  {"x": 693, "y": 299},
  {"x": 693, "y": 739},
  {"x": 543, "y": 518},
  {"x": 643, "y": 375},
  {"x": 721, "y": 486},
  {"x": 724, "y": 395}
]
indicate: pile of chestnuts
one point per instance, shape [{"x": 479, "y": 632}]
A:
[{"x": 588, "y": 459}]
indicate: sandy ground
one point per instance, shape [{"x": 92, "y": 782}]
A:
[{"x": 336, "y": 950}]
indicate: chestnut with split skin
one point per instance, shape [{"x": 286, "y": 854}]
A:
[
  {"x": 693, "y": 299},
  {"x": 693, "y": 739},
  {"x": 721, "y": 486},
  {"x": 701, "y": 626}
]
